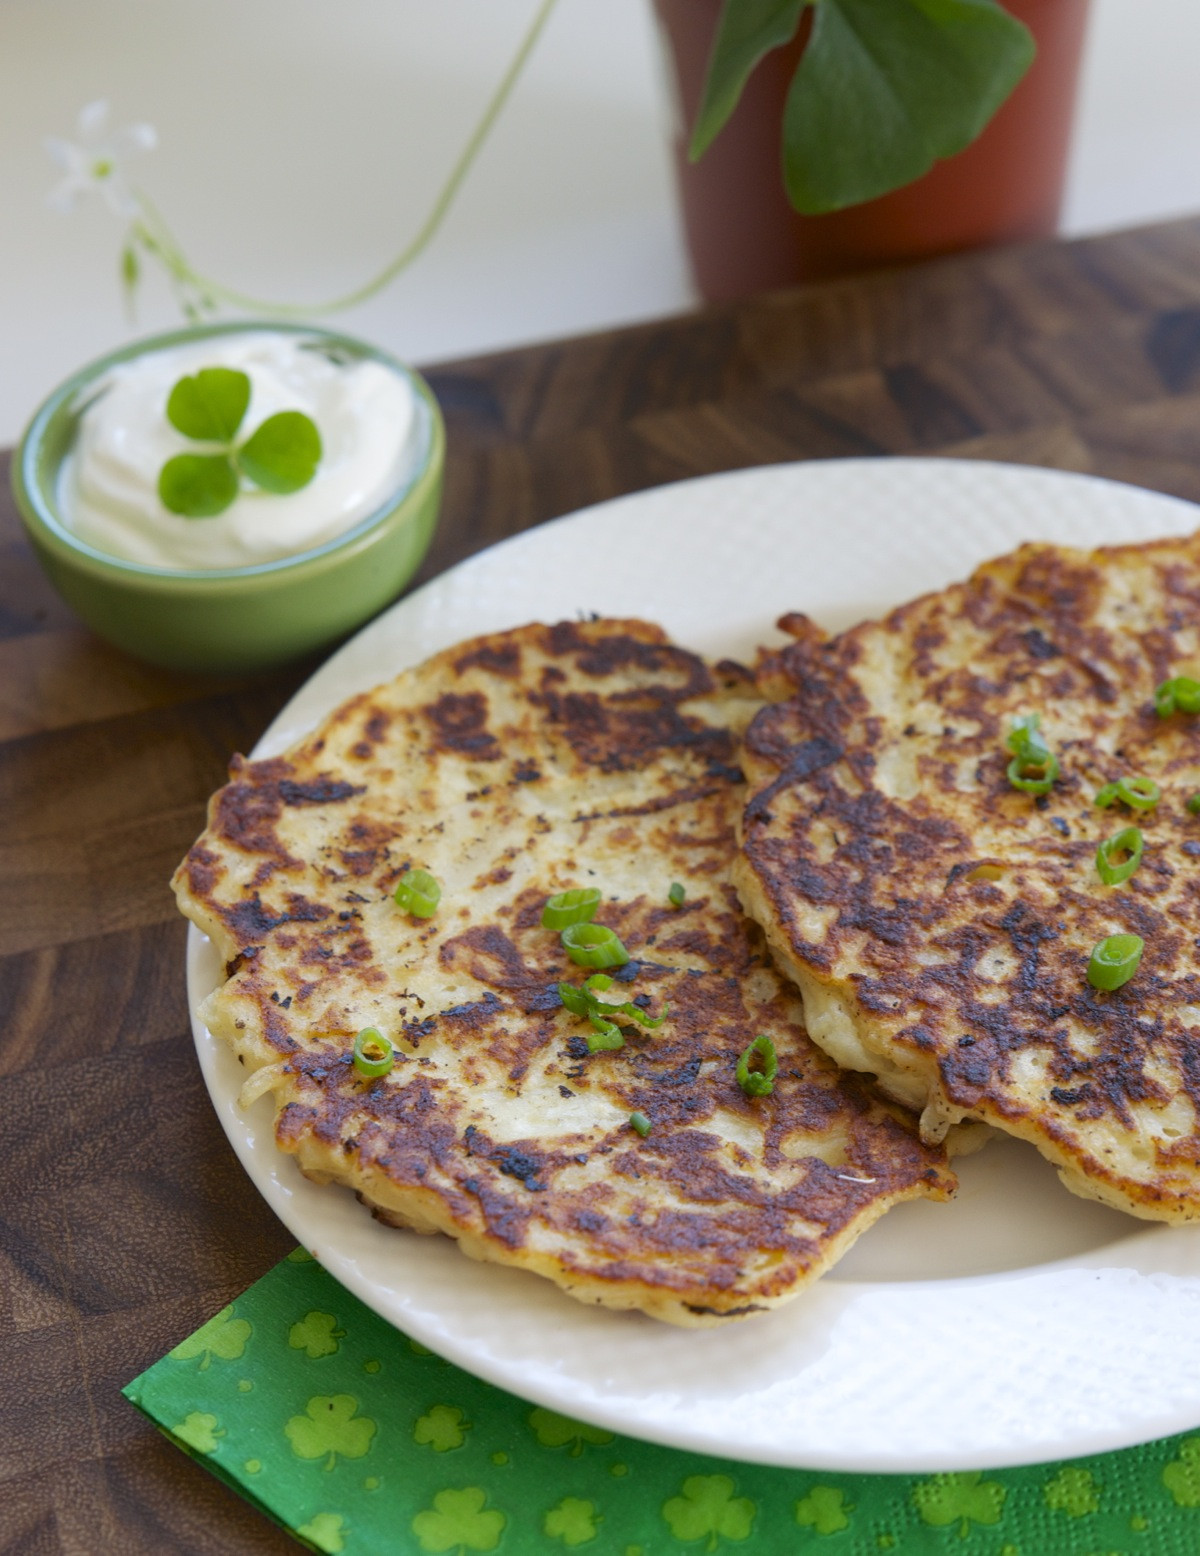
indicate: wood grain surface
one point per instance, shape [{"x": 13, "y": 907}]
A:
[{"x": 125, "y": 1219}]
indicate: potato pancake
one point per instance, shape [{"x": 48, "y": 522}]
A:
[
  {"x": 640, "y": 1174},
  {"x": 939, "y": 920}
]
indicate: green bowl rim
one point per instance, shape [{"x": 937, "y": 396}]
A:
[{"x": 52, "y": 532}]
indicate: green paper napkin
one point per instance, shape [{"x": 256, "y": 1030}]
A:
[{"x": 359, "y": 1440}]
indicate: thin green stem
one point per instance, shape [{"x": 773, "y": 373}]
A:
[{"x": 157, "y": 238}]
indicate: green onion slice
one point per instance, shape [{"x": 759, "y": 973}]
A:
[
  {"x": 571, "y": 907},
  {"x": 1180, "y": 694},
  {"x": 676, "y": 895},
  {"x": 582, "y": 1002},
  {"x": 593, "y": 945},
  {"x": 1114, "y": 961},
  {"x": 576, "y": 1001},
  {"x": 761, "y": 1082},
  {"x": 607, "y": 1035},
  {"x": 1034, "y": 766},
  {"x": 418, "y": 893},
  {"x": 1110, "y": 866},
  {"x": 373, "y": 1053},
  {"x": 641, "y": 1123},
  {"x": 1194, "y": 804},
  {"x": 1137, "y": 793}
]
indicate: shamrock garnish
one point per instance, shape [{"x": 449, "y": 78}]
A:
[
  {"x": 316, "y": 1334},
  {"x": 443, "y": 1428},
  {"x": 1181, "y": 1476},
  {"x": 223, "y": 1336},
  {"x": 824, "y": 1509},
  {"x": 330, "y": 1426},
  {"x": 960, "y": 1497},
  {"x": 280, "y": 456},
  {"x": 555, "y": 1431},
  {"x": 708, "y": 1506},
  {"x": 573, "y": 1521},
  {"x": 458, "y": 1521}
]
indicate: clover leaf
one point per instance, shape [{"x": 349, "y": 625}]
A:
[
  {"x": 880, "y": 92},
  {"x": 459, "y": 1521},
  {"x": 326, "y": 1531},
  {"x": 209, "y": 406},
  {"x": 198, "y": 486},
  {"x": 960, "y": 1497},
  {"x": 330, "y": 1426},
  {"x": 443, "y": 1428},
  {"x": 317, "y": 1334},
  {"x": 280, "y": 456},
  {"x": 824, "y": 1509},
  {"x": 573, "y": 1521},
  {"x": 1072, "y": 1491},
  {"x": 283, "y": 455},
  {"x": 708, "y": 1506},
  {"x": 555, "y": 1431},
  {"x": 199, "y": 1430},
  {"x": 223, "y": 1336},
  {"x": 1181, "y": 1476}
]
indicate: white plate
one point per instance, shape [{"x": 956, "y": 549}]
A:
[{"x": 1017, "y": 1324}]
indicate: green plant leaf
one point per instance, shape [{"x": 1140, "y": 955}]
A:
[
  {"x": 210, "y": 405},
  {"x": 886, "y": 87},
  {"x": 748, "y": 30},
  {"x": 197, "y": 486},
  {"x": 283, "y": 454}
]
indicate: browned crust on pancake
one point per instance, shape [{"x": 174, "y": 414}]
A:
[
  {"x": 879, "y": 788},
  {"x": 513, "y": 767}
]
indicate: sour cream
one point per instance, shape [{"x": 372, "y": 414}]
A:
[{"x": 370, "y": 419}]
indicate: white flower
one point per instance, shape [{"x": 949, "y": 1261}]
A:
[{"x": 95, "y": 162}]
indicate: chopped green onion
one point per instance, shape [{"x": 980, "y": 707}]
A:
[
  {"x": 1179, "y": 694},
  {"x": 641, "y": 1123},
  {"x": 1128, "y": 842},
  {"x": 758, "y": 1083},
  {"x": 373, "y": 1053},
  {"x": 571, "y": 907},
  {"x": 1034, "y": 766},
  {"x": 676, "y": 895},
  {"x": 582, "y": 1002},
  {"x": 607, "y": 1035},
  {"x": 1194, "y": 804},
  {"x": 1137, "y": 793},
  {"x": 418, "y": 893},
  {"x": 574, "y": 999},
  {"x": 1114, "y": 961},
  {"x": 593, "y": 945}
]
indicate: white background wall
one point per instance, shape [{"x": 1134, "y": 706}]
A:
[{"x": 301, "y": 142}]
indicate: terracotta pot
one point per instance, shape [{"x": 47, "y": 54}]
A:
[{"x": 743, "y": 234}]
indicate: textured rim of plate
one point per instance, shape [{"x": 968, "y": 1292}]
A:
[{"x": 1056, "y": 1359}]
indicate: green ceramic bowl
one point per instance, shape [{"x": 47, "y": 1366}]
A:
[{"x": 240, "y": 618}]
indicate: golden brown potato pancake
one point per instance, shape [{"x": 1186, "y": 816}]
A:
[
  {"x": 938, "y": 920},
  {"x": 512, "y": 768}
]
